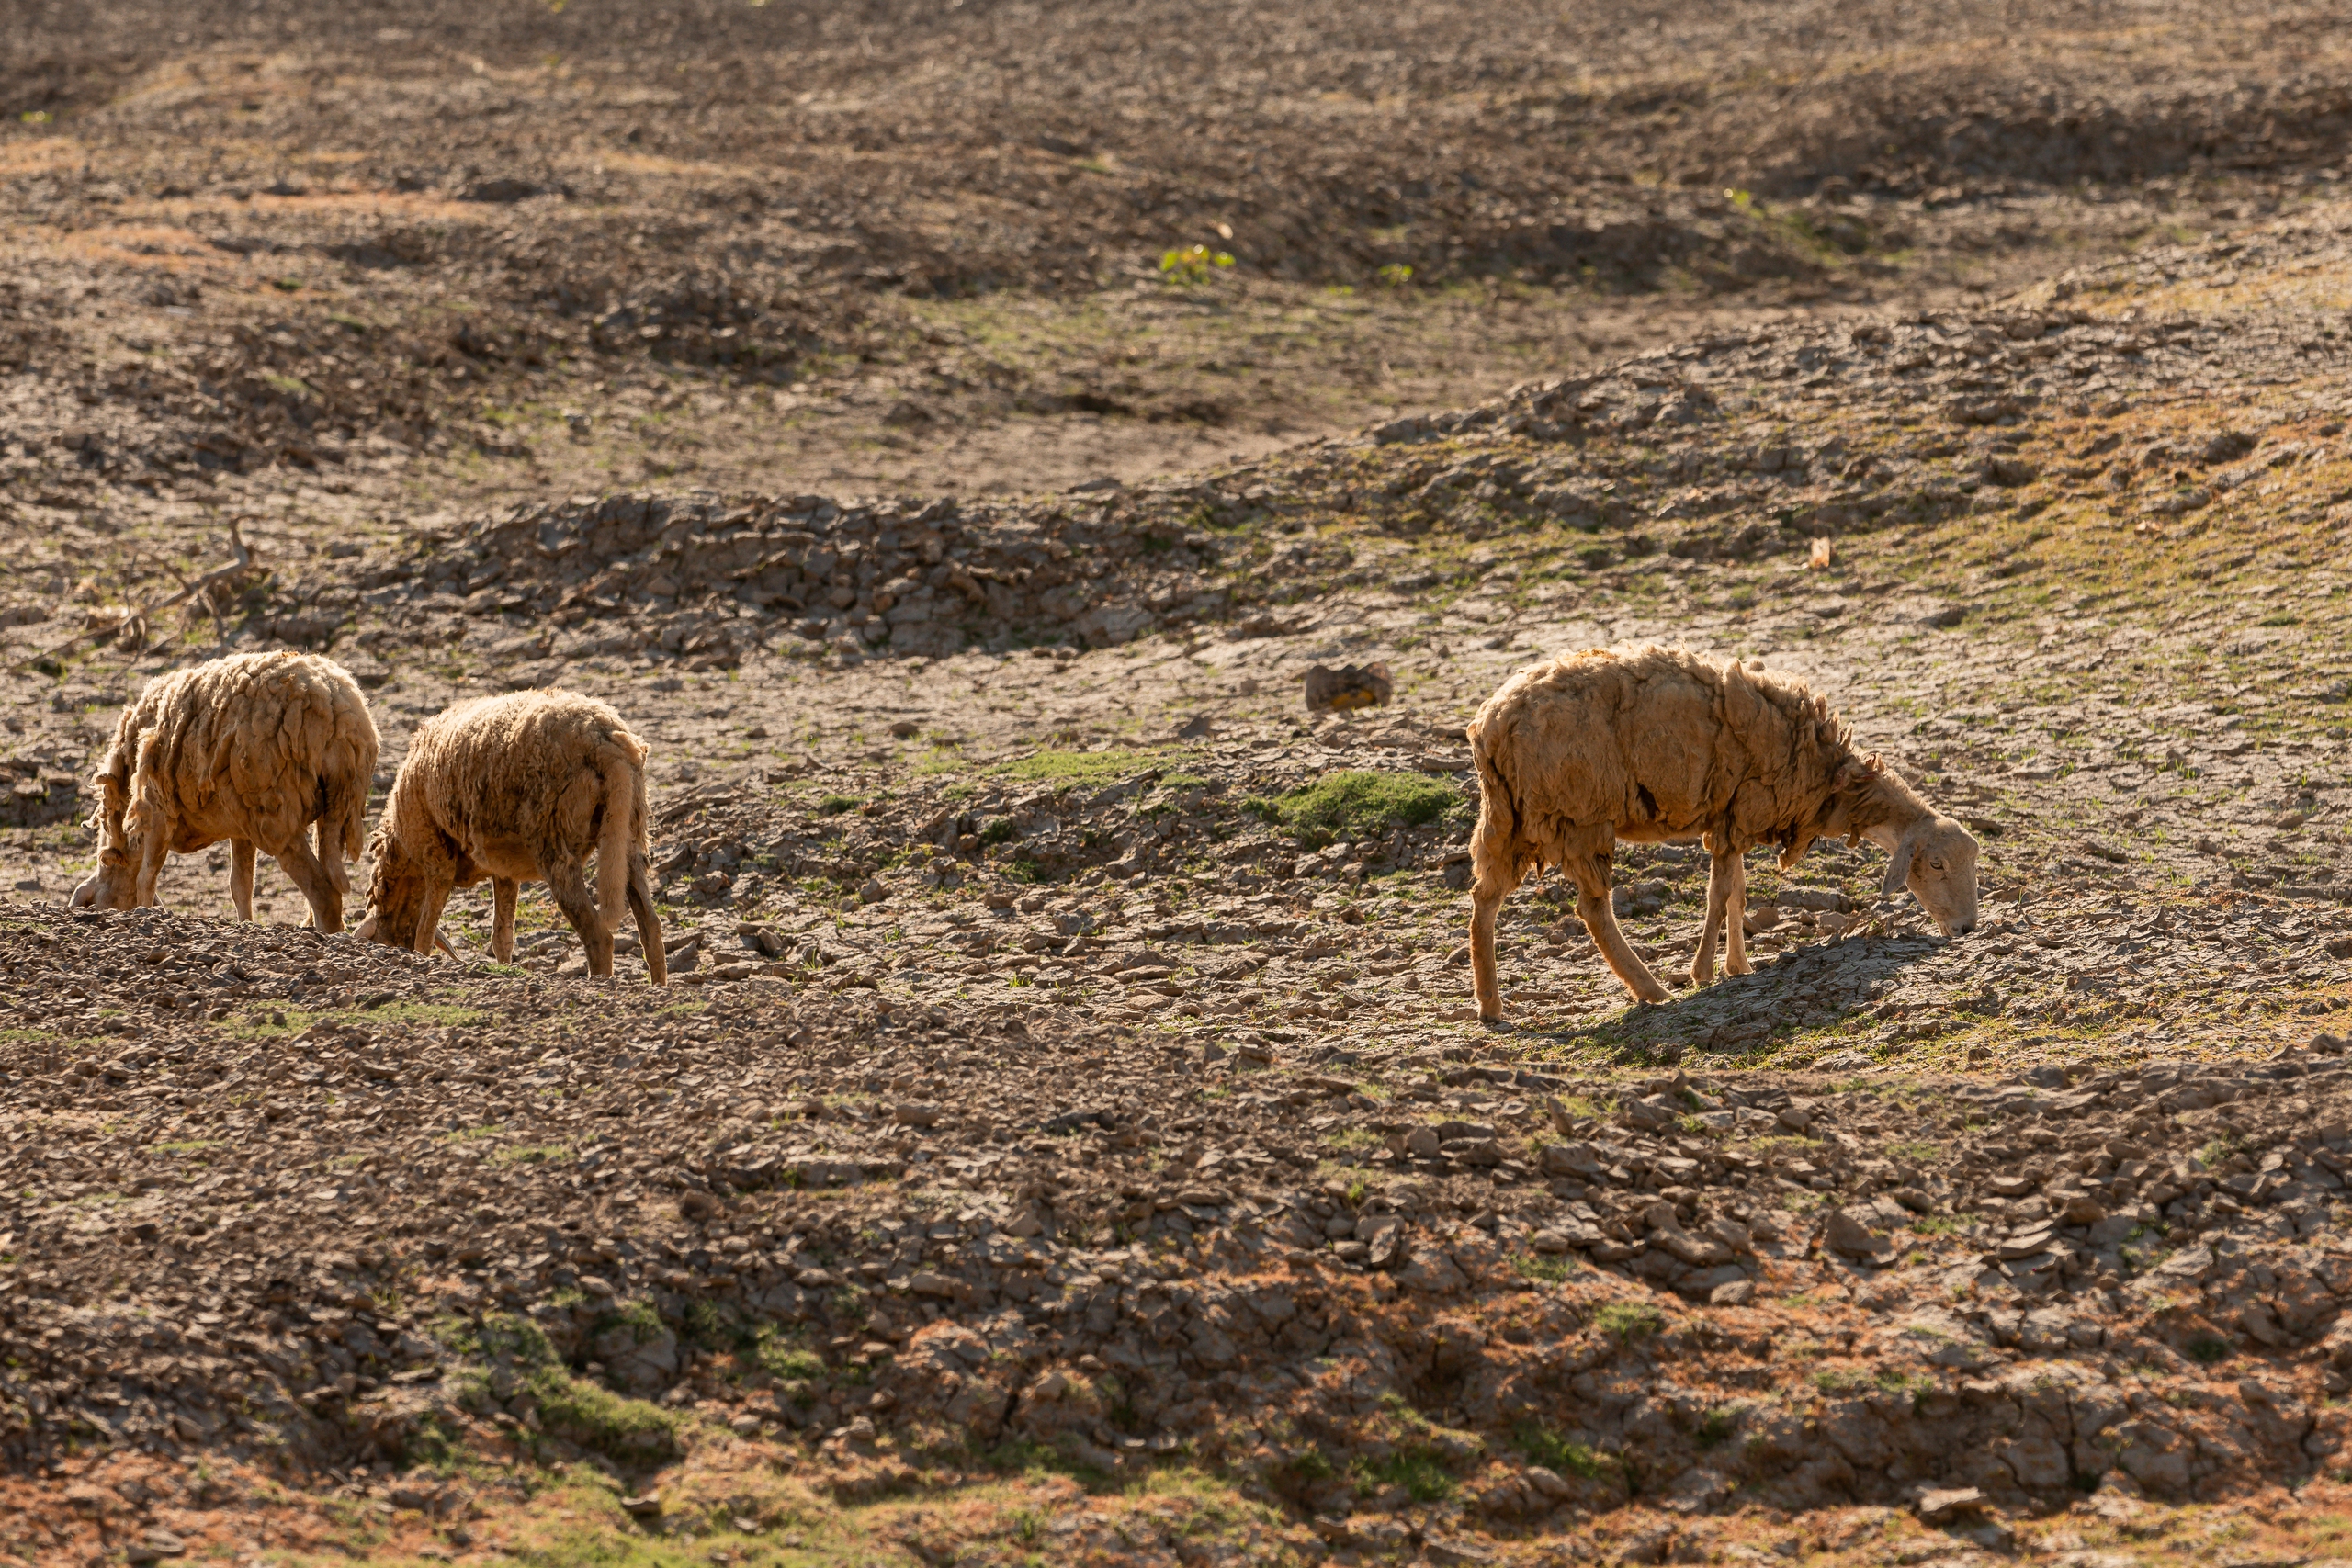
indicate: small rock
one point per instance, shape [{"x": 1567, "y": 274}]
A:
[
  {"x": 1352, "y": 686},
  {"x": 1847, "y": 1235},
  {"x": 1940, "y": 1506},
  {"x": 2082, "y": 1209}
]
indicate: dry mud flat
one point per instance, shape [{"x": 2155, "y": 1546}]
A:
[
  {"x": 1071, "y": 1146},
  {"x": 769, "y": 1259}
]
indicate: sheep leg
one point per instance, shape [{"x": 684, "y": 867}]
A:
[
  {"x": 428, "y": 918},
  {"x": 649, "y": 923},
  {"x": 502, "y": 890},
  {"x": 1496, "y": 880},
  {"x": 1734, "y": 913},
  {"x": 1590, "y": 873},
  {"x": 330, "y": 852},
  {"x": 1723, "y": 872},
  {"x": 569, "y": 884},
  {"x": 241, "y": 877},
  {"x": 326, "y": 903}
]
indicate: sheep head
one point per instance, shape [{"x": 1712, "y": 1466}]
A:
[
  {"x": 398, "y": 893},
  {"x": 115, "y": 885},
  {"x": 1935, "y": 858}
]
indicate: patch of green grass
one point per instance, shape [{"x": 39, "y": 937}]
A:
[
  {"x": 629, "y": 1430},
  {"x": 1549, "y": 1267},
  {"x": 1358, "y": 803},
  {"x": 1542, "y": 1446},
  {"x": 1421, "y": 1472},
  {"x": 785, "y": 1358},
  {"x": 469, "y": 1134},
  {"x": 1629, "y": 1320},
  {"x": 188, "y": 1146},
  {"x": 1089, "y": 768},
  {"x": 2208, "y": 1349},
  {"x": 1716, "y": 1426},
  {"x": 834, "y": 804}
]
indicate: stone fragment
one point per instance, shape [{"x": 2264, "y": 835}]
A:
[
  {"x": 1847, "y": 1235},
  {"x": 1350, "y": 686},
  {"x": 1947, "y": 1504}
]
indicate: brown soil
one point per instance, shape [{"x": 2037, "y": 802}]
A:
[{"x": 1069, "y": 1139}]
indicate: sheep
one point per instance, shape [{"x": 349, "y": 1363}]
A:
[
  {"x": 515, "y": 788},
  {"x": 1662, "y": 743},
  {"x": 252, "y": 747}
]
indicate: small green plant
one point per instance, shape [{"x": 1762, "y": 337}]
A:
[
  {"x": 1397, "y": 274},
  {"x": 1629, "y": 1320},
  {"x": 2206, "y": 1349},
  {"x": 1550, "y": 1269},
  {"x": 629, "y": 1430},
  {"x": 834, "y": 804},
  {"x": 36, "y": 116},
  {"x": 1542, "y": 1446},
  {"x": 1717, "y": 1426},
  {"x": 1191, "y": 266},
  {"x": 1312, "y": 1464},
  {"x": 1421, "y": 1472}
]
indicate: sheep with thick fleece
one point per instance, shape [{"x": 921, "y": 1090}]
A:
[
  {"x": 1663, "y": 743},
  {"x": 517, "y": 788},
  {"x": 253, "y": 748}
]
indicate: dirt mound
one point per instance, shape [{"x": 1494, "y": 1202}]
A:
[{"x": 861, "y": 577}]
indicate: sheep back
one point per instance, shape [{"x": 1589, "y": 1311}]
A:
[
  {"x": 1660, "y": 743},
  {"x": 523, "y": 777},
  {"x": 253, "y": 746}
]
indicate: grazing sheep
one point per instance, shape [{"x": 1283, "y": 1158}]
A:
[
  {"x": 1577, "y": 753},
  {"x": 516, "y": 788},
  {"x": 252, "y": 747}
]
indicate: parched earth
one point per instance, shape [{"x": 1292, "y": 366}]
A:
[{"x": 1068, "y": 1138}]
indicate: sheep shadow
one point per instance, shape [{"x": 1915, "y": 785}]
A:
[{"x": 1816, "y": 987}]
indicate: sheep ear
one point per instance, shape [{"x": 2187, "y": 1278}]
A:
[{"x": 1898, "y": 869}]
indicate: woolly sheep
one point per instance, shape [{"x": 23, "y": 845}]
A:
[
  {"x": 1577, "y": 753},
  {"x": 517, "y": 788},
  {"x": 252, "y": 747}
]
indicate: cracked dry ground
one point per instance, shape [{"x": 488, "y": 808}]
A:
[{"x": 1069, "y": 1144}]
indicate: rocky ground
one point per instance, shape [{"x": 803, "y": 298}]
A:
[{"x": 1068, "y": 1138}]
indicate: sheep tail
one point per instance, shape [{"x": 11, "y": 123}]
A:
[
  {"x": 1498, "y": 813},
  {"x": 624, "y": 829},
  {"x": 342, "y": 816}
]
